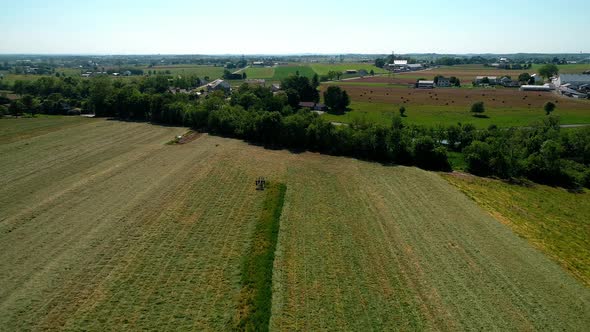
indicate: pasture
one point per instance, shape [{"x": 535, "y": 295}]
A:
[
  {"x": 467, "y": 73},
  {"x": 377, "y": 99},
  {"x": 553, "y": 219},
  {"x": 103, "y": 226},
  {"x": 260, "y": 72},
  {"x": 324, "y": 68},
  {"x": 283, "y": 72},
  {"x": 198, "y": 70}
]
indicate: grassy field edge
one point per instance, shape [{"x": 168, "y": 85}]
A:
[
  {"x": 254, "y": 308},
  {"x": 552, "y": 219}
]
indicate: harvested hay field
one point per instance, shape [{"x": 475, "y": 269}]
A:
[
  {"x": 466, "y": 73},
  {"x": 446, "y": 106},
  {"x": 493, "y": 98},
  {"x": 103, "y": 226}
]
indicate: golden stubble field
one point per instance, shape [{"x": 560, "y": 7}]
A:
[{"x": 105, "y": 227}]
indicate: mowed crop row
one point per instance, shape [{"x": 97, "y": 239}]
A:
[
  {"x": 367, "y": 247},
  {"x": 104, "y": 227}
]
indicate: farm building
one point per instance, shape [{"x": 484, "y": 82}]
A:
[
  {"x": 443, "y": 82},
  {"x": 538, "y": 78},
  {"x": 258, "y": 63},
  {"x": 402, "y": 65},
  {"x": 566, "y": 91},
  {"x": 256, "y": 81},
  {"x": 312, "y": 106},
  {"x": 574, "y": 80},
  {"x": 425, "y": 85},
  {"x": 398, "y": 65},
  {"x": 351, "y": 71},
  {"x": 275, "y": 87},
  {"x": 545, "y": 87},
  {"x": 218, "y": 84},
  {"x": 492, "y": 80},
  {"x": 508, "y": 82}
]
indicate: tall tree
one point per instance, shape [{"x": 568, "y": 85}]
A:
[
  {"x": 315, "y": 81},
  {"x": 336, "y": 99},
  {"x": 549, "y": 107},
  {"x": 548, "y": 70},
  {"x": 477, "y": 108}
]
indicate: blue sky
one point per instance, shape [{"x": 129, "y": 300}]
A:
[{"x": 302, "y": 26}]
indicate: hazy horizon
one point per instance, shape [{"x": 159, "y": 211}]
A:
[{"x": 264, "y": 28}]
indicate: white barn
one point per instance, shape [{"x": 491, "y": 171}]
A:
[
  {"x": 545, "y": 87},
  {"x": 574, "y": 80}
]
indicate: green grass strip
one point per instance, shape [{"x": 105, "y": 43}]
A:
[{"x": 255, "y": 301}]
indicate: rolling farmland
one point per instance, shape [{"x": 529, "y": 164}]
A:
[
  {"x": 555, "y": 220},
  {"x": 283, "y": 72},
  {"x": 324, "y": 68},
  {"x": 378, "y": 98},
  {"x": 262, "y": 73},
  {"x": 105, "y": 227}
]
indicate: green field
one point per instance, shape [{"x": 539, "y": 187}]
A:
[
  {"x": 263, "y": 73},
  {"x": 555, "y": 220},
  {"x": 283, "y": 72},
  {"x": 324, "y": 68},
  {"x": 451, "y": 115},
  {"x": 103, "y": 226},
  {"x": 200, "y": 71}
]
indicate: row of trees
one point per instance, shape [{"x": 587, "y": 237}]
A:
[{"x": 541, "y": 152}]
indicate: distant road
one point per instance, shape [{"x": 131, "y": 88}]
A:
[
  {"x": 574, "y": 125},
  {"x": 240, "y": 70}
]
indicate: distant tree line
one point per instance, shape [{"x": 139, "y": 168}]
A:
[{"x": 542, "y": 152}]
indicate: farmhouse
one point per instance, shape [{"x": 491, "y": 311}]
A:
[
  {"x": 508, "y": 82},
  {"x": 443, "y": 82},
  {"x": 491, "y": 80},
  {"x": 218, "y": 84},
  {"x": 312, "y": 106},
  {"x": 425, "y": 85}
]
